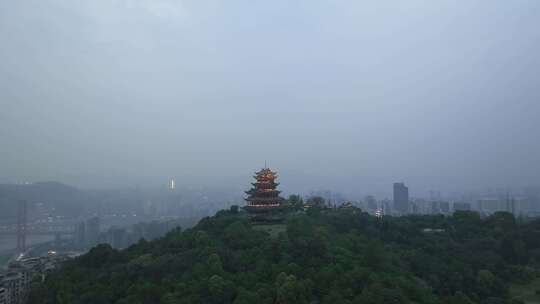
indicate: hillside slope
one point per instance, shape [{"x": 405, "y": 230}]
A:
[{"x": 334, "y": 256}]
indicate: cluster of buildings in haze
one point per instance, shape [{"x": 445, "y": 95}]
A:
[
  {"x": 525, "y": 203},
  {"x": 16, "y": 280},
  {"x": 90, "y": 232}
]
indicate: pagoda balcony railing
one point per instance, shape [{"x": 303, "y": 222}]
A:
[{"x": 264, "y": 205}]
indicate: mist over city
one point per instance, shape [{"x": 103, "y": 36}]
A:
[{"x": 127, "y": 127}]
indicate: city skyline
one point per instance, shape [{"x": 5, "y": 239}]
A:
[{"x": 233, "y": 152}]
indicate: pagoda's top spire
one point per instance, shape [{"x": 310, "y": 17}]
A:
[{"x": 265, "y": 174}]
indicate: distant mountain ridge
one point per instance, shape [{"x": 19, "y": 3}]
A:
[{"x": 65, "y": 200}]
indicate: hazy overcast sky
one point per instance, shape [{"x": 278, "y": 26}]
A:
[{"x": 344, "y": 95}]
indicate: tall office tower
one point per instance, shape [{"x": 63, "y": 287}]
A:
[
  {"x": 401, "y": 198},
  {"x": 371, "y": 203}
]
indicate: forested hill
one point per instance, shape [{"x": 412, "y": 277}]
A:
[{"x": 329, "y": 256}]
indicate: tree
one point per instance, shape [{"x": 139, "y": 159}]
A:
[
  {"x": 170, "y": 298},
  {"x": 336, "y": 256},
  {"x": 221, "y": 290},
  {"x": 334, "y": 297},
  {"x": 295, "y": 202},
  {"x": 489, "y": 284},
  {"x": 246, "y": 297},
  {"x": 290, "y": 291},
  {"x": 374, "y": 255},
  {"x": 215, "y": 265},
  {"x": 458, "y": 298},
  {"x": 316, "y": 202}
]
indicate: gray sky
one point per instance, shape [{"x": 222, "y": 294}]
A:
[{"x": 344, "y": 95}]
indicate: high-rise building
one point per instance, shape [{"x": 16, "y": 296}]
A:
[
  {"x": 401, "y": 198},
  {"x": 420, "y": 206},
  {"x": 490, "y": 205},
  {"x": 117, "y": 237},
  {"x": 462, "y": 206},
  {"x": 371, "y": 203},
  {"x": 435, "y": 207},
  {"x": 444, "y": 207},
  {"x": 518, "y": 206}
]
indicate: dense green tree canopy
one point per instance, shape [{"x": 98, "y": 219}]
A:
[{"x": 331, "y": 256}]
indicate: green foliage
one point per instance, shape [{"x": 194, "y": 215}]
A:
[
  {"x": 295, "y": 202},
  {"x": 246, "y": 297},
  {"x": 321, "y": 256},
  {"x": 289, "y": 290},
  {"x": 316, "y": 202},
  {"x": 374, "y": 254}
]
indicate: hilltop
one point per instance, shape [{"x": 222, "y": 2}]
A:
[{"x": 320, "y": 256}]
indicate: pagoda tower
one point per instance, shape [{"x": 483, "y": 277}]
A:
[{"x": 263, "y": 196}]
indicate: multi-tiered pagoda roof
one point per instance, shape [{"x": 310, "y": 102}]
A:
[{"x": 264, "y": 196}]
